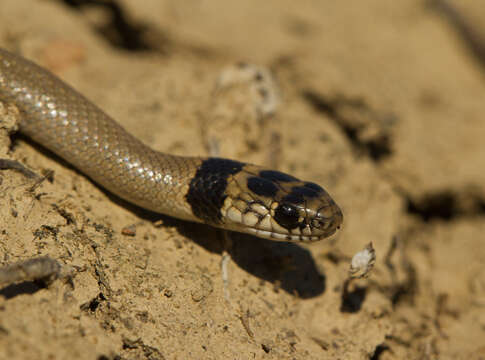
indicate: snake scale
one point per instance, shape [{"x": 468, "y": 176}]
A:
[{"x": 220, "y": 192}]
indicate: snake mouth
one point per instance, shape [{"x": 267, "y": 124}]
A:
[{"x": 287, "y": 237}]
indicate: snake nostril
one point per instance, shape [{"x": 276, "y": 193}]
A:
[{"x": 316, "y": 223}]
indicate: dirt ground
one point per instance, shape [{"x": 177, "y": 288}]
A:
[{"x": 380, "y": 102}]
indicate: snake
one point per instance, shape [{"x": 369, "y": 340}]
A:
[{"x": 223, "y": 193}]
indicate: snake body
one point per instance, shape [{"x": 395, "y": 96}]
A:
[{"x": 220, "y": 192}]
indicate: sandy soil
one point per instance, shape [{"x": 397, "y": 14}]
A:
[{"x": 379, "y": 102}]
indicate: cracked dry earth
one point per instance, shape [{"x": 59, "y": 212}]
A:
[{"x": 380, "y": 102}]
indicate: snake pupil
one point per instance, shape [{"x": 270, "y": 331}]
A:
[{"x": 287, "y": 216}]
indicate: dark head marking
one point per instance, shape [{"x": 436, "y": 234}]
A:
[
  {"x": 262, "y": 187},
  {"x": 304, "y": 192},
  {"x": 294, "y": 198},
  {"x": 206, "y": 189},
  {"x": 273, "y": 175},
  {"x": 313, "y": 186}
]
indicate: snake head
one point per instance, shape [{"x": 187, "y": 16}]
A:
[{"x": 277, "y": 206}]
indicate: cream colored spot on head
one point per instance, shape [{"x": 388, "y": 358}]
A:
[
  {"x": 266, "y": 223},
  {"x": 260, "y": 209},
  {"x": 227, "y": 204},
  {"x": 234, "y": 215},
  {"x": 250, "y": 219},
  {"x": 240, "y": 204},
  {"x": 246, "y": 197}
]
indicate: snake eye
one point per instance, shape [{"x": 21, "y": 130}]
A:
[{"x": 287, "y": 216}]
